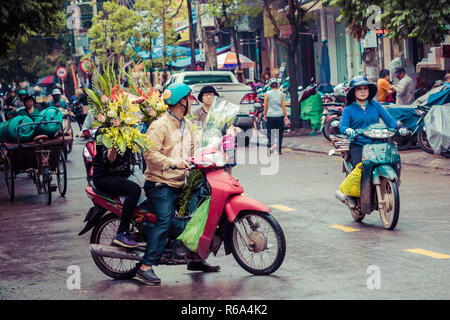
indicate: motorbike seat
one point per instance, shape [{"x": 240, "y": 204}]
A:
[{"x": 101, "y": 193}]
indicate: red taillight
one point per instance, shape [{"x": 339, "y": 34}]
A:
[
  {"x": 194, "y": 101},
  {"x": 249, "y": 98}
]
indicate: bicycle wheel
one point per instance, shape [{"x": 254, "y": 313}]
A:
[
  {"x": 9, "y": 178},
  {"x": 61, "y": 175}
]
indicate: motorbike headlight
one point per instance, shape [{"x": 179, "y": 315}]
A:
[{"x": 379, "y": 133}]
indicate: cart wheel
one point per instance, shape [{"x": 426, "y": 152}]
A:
[
  {"x": 9, "y": 178},
  {"x": 46, "y": 185},
  {"x": 61, "y": 175}
]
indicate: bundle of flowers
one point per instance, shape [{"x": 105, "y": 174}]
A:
[
  {"x": 151, "y": 105},
  {"x": 118, "y": 116}
]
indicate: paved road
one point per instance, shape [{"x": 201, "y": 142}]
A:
[{"x": 328, "y": 255}]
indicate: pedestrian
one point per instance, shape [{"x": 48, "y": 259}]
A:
[
  {"x": 384, "y": 86},
  {"x": 275, "y": 114},
  {"x": 404, "y": 88}
]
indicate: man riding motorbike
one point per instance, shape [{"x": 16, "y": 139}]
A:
[
  {"x": 360, "y": 112},
  {"x": 172, "y": 139}
]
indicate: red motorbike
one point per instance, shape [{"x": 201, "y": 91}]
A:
[
  {"x": 331, "y": 120},
  {"x": 243, "y": 225}
]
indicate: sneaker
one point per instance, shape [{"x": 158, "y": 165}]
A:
[
  {"x": 124, "y": 240},
  {"x": 148, "y": 276}
]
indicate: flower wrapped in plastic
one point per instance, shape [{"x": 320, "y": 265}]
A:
[
  {"x": 220, "y": 116},
  {"x": 116, "y": 113}
]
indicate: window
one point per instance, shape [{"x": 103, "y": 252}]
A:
[{"x": 207, "y": 79}]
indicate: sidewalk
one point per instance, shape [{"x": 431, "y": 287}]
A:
[{"x": 318, "y": 143}]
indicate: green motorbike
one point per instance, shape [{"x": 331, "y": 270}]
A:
[{"x": 380, "y": 174}]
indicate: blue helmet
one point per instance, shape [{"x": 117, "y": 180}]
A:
[
  {"x": 360, "y": 81},
  {"x": 175, "y": 92}
]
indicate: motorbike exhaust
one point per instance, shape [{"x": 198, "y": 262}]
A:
[{"x": 116, "y": 252}]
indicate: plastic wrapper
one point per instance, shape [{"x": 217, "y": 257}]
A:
[
  {"x": 351, "y": 186},
  {"x": 437, "y": 128},
  {"x": 195, "y": 227},
  {"x": 221, "y": 115}
]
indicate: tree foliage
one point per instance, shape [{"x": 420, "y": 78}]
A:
[
  {"x": 22, "y": 19},
  {"x": 423, "y": 20}
]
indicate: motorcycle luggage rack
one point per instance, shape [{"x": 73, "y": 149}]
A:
[{"x": 340, "y": 144}]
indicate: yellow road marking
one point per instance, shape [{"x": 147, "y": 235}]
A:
[
  {"x": 432, "y": 254},
  {"x": 281, "y": 207},
  {"x": 343, "y": 228}
]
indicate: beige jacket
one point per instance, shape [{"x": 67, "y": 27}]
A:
[{"x": 168, "y": 147}]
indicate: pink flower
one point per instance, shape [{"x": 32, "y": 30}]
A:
[
  {"x": 105, "y": 99},
  {"x": 101, "y": 118},
  {"x": 116, "y": 122}
]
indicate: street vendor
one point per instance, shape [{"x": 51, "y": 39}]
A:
[{"x": 172, "y": 139}]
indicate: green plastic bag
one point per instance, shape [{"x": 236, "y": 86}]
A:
[
  {"x": 312, "y": 109},
  {"x": 195, "y": 227}
]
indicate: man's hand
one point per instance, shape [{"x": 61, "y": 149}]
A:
[{"x": 180, "y": 165}]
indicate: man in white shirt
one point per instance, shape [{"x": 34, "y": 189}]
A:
[{"x": 404, "y": 88}]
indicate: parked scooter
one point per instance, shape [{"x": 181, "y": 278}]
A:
[
  {"x": 380, "y": 178},
  {"x": 331, "y": 120},
  {"x": 244, "y": 225}
]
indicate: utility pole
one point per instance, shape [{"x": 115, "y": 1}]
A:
[{"x": 191, "y": 34}]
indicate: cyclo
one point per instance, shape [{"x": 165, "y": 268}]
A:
[
  {"x": 380, "y": 177},
  {"x": 40, "y": 159}
]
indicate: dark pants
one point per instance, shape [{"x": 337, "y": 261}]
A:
[
  {"x": 355, "y": 153},
  {"x": 162, "y": 198},
  {"x": 275, "y": 123},
  {"x": 120, "y": 186}
]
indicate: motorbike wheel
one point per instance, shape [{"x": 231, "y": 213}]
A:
[
  {"x": 103, "y": 233},
  {"x": 422, "y": 141},
  {"x": 267, "y": 252},
  {"x": 390, "y": 211},
  {"x": 329, "y": 130}
]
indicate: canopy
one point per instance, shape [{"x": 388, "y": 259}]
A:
[
  {"x": 228, "y": 60},
  {"x": 46, "y": 81}
]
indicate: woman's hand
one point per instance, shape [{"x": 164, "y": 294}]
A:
[{"x": 112, "y": 155}]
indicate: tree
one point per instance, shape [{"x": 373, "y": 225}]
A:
[
  {"x": 114, "y": 33},
  {"x": 35, "y": 59},
  {"x": 423, "y": 20},
  {"x": 228, "y": 13},
  {"x": 21, "y": 19},
  {"x": 294, "y": 14}
]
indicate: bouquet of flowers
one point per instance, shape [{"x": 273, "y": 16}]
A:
[
  {"x": 118, "y": 116},
  {"x": 220, "y": 116},
  {"x": 151, "y": 105},
  {"x": 150, "y": 102}
]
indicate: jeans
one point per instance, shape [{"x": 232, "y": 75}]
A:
[
  {"x": 278, "y": 124},
  {"x": 163, "y": 201},
  {"x": 115, "y": 186}
]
